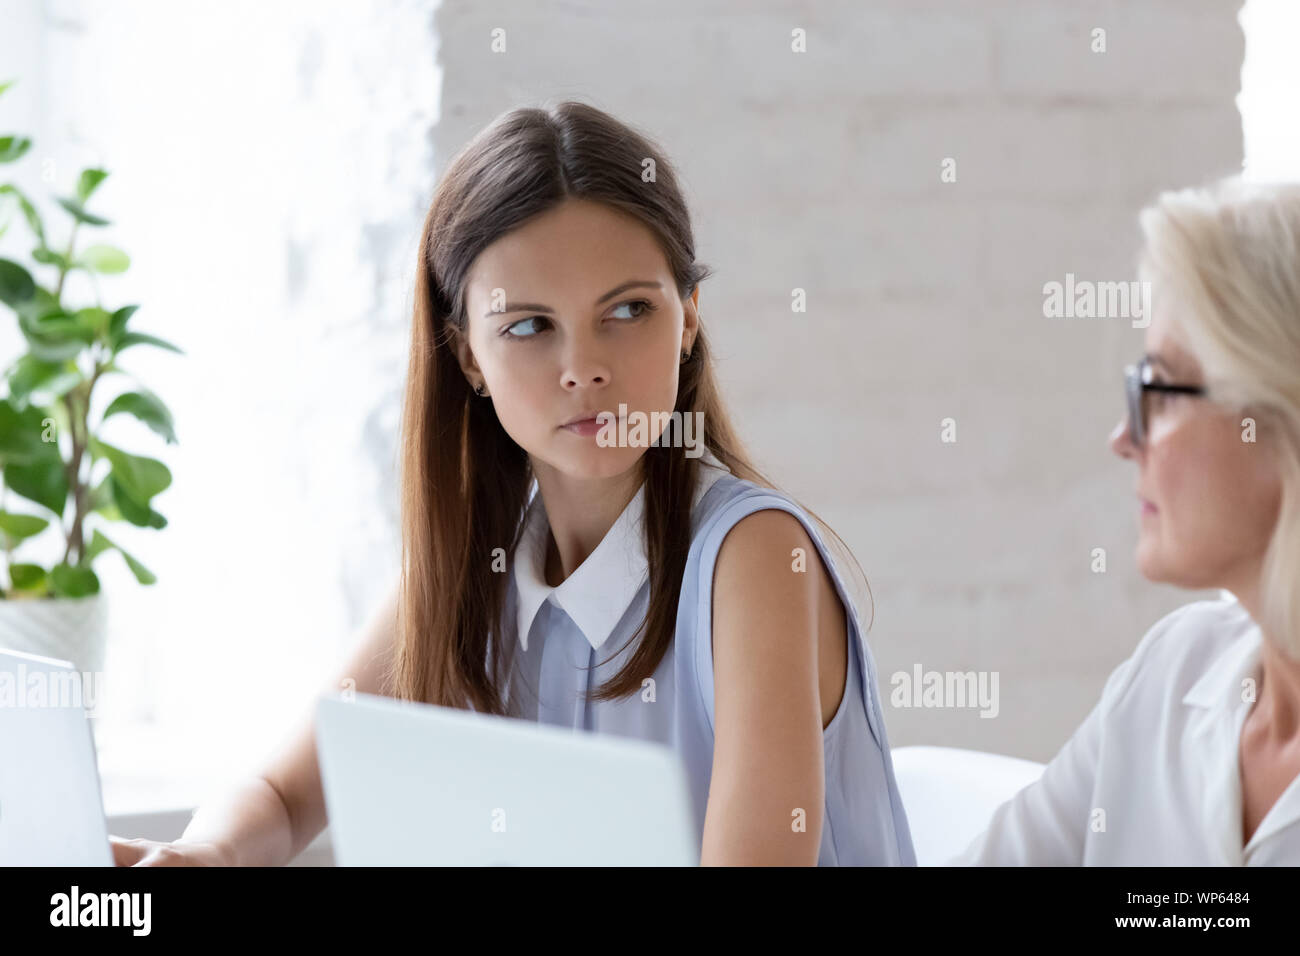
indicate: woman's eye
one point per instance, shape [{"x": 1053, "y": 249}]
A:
[
  {"x": 514, "y": 325},
  {"x": 642, "y": 306},
  {"x": 646, "y": 308}
]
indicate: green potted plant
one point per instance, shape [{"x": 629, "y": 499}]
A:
[{"x": 58, "y": 476}]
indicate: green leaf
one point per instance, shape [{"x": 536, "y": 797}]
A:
[
  {"x": 55, "y": 336},
  {"x": 104, "y": 259},
  {"x": 89, "y": 182},
  {"x": 27, "y": 577},
  {"x": 16, "y": 284},
  {"x": 22, "y": 435},
  {"x": 29, "y": 211},
  {"x": 99, "y": 543},
  {"x": 20, "y": 526},
  {"x": 44, "y": 482},
  {"x": 80, "y": 214},
  {"x": 137, "y": 514},
  {"x": 53, "y": 349},
  {"x": 73, "y": 582},
  {"x": 117, "y": 325},
  {"x": 93, "y": 322},
  {"x": 128, "y": 339},
  {"x": 12, "y": 148},
  {"x": 39, "y": 306},
  {"x": 6, "y": 85},
  {"x": 140, "y": 477},
  {"x": 4, "y": 215},
  {"x": 142, "y": 574},
  {"x": 56, "y": 324},
  {"x": 30, "y": 373},
  {"x": 148, "y": 408},
  {"x": 101, "y": 500},
  {"x": 51, "y": 258}
]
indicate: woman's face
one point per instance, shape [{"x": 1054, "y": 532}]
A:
[
  {"x": 1207, "y": 499},
  {"x": 571, "y": 314}
]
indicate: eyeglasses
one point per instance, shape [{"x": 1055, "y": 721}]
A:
[{"x": 1137, "y": 383}]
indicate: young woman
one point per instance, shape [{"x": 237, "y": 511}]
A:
[
  {"x": 661, "y": 591},
  {"x": 1192, "y": 755}
]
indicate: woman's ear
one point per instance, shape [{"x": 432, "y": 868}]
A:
[
  {"x": 464, "y": 355},
  {"x": 690, "y": 319},
  {"x": 468, "y": 366}
]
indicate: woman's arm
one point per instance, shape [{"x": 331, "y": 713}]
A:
[
  {"x": 268, "y": 820},
  {"x": 767, "y": 790},
  {"x": 1047, "y": 822}
]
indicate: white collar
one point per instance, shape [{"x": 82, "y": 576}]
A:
[
  {"x": 1220, "y": 687},
  {"x": 1215, "y": 731},
  {"x": 597, "y": 594}
]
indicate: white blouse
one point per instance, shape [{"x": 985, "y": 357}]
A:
[{"x": 1151, "y": 777}]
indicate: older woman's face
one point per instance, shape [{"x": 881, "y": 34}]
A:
[
  {"x": 575, "y": 312},
  {"x": 1208, "y": 500}
]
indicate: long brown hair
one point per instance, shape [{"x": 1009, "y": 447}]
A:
[{"x": 464, "y": 480}]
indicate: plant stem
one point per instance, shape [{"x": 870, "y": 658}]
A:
[
  {"x": 73, "y": 469},
  {"x": 80, "y": 443},
  {"x": 75, "y": 534},
  {"x": 67, "y": 259}
]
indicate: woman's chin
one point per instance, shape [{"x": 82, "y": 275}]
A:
[
  {"x": 1156, "y": 567},
  {"x": 595, "y": 462},
  {"x": 1149, "y": 563}
]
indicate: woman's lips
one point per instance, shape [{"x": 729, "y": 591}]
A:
[
  {"x": 1147, "y": 507},
  {"x": 588, "y": 426}
]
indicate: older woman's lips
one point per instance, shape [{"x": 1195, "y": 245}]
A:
[{"x": 1147, "y": 507}]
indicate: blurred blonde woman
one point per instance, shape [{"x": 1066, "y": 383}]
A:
[{"x": 1192, "y": 755}]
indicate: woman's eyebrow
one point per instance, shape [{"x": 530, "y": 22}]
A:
[{"x": 536, "y": 307}]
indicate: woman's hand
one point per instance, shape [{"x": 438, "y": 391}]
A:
[{"x": 140, "y": 852}]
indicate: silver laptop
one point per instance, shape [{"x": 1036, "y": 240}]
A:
[
  {"x": 51, "y": 807},
  {"x": 409, "y": 784}
]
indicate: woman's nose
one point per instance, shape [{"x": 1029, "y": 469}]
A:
[
  {"x": 584, "y": 366},
  {"x": 1121, "y": 440}
]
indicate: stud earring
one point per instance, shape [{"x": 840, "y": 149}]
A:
[
  {"x": 686, "y": 357},
  {"x": 480, "y": 389}
]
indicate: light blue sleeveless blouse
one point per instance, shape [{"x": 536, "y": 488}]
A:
[{"x": 562, "y": 636}]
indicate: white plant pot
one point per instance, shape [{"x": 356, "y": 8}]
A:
[{"x": 68, "y": 629}]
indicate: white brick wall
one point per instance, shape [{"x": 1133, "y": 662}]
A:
[{"x": 821, "y": 171}]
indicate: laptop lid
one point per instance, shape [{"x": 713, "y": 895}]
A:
[
  {"x": 411, "y": 784},
  {"x": 51, "y": 807}
]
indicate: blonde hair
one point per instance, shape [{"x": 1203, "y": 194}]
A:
[{"x": 1229, "y": 254}]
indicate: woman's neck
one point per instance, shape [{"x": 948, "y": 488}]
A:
[
  {"x": 1277, "y": 698},
  {"x": 1278, "y": 695},
  {"x": 580, "y": 513}
]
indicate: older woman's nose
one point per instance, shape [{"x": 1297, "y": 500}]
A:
[{"x": 1121, "y": 440}]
